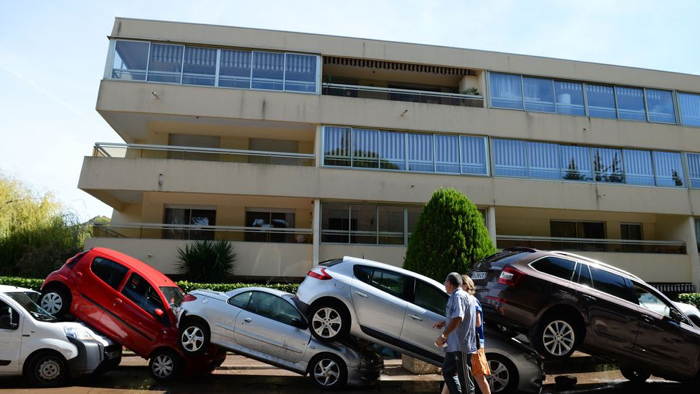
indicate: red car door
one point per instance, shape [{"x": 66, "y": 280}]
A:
[{"x": 98, "y": 294}]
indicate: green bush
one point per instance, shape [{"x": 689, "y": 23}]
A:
[
  {"x": 449, "y": 237},
  {"x": 690, "y": 298},
  {"x": 29, "y": 283},
  {"x": 207, "y": 261}
]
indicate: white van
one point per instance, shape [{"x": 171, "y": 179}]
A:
[{"x": 45, "y": 351}]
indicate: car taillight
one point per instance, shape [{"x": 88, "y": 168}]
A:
[
  {"x": 189, "y": 297},
  {"x": 510, "y": 276},
  {"x": 321, "y": 275}
]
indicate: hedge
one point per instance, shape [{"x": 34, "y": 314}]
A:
[
  {"x": 690, "y": 298},
  {"x": 184, "y": 285}
]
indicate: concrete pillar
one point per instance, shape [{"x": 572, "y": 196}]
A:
[
  {"x": 491, "y": 223},
  {"x": 316, "y": 226},
  {"x": 692, "y": 249}
]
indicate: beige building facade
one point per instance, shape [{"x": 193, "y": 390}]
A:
[{"x": 301, "y": 147}]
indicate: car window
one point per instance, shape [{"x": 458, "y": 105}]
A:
[
  {"x": 429, "y": 297},
  {"x": 583, "y": 275},
  {"x": 273, "y": 307},
  {"x": 612, "y": 284},
  {"x": 695, "y": 319},
  {"x": 110, "y": 272},
  {"x": 7, "y": 317},
  {"x": 241, "y": 300},
  {"x": 142, "y": 294},
  {"x": 362, "y": 273},
  {"x": 390, "y": 282},
  {"x": 648, "y": 300},
  {"x": 561, "y": 268}
]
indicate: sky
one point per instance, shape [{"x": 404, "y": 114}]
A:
[{"x": 52, "y": 56}]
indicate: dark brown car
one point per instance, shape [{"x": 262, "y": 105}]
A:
[{"x": 563, "y": 302}]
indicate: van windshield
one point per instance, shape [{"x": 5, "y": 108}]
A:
[{"x": 25, "y": 300}]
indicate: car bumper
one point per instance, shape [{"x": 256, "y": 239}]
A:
[{"x": 94, "y": 356}]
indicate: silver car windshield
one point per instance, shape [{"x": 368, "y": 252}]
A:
[{"x": 25, "y": 300}]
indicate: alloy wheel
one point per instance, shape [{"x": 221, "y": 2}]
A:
[
  {"x": 192, "y": 339},
  {"x": 500, "y": 376},
  {"x": 326, "y": 322},
  {"x": 163, "y": 366},
  {"x": 558, "y": 337},
  {"x": 326, "y": 372},
  {"x": 52, "y": 302}
]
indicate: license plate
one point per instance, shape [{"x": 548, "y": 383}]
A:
[{"x": 479, "y": 275}]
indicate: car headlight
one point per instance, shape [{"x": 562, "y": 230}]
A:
[{"x": 79, "y": 333}]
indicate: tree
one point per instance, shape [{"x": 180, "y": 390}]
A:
[
  {"x": 207, "y": 261},
  {"x": 449, "y": 237}
]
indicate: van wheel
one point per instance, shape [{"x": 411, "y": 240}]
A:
[
  {"x": 164, "y": 364},
  {"x": 56, "y": 301},
  {"x": 328, "y": 371},
  {"x": 557, "y": 336},
  {"x": 194, "y": 337},
  {"x": 47, "y": 369},
  {"x": 330, "y": 321},
  {"x": 635, "y": 375}
]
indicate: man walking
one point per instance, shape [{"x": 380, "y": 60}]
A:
[{"x": 459, "y": 335}]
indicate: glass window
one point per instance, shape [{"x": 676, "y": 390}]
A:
[
  {"x": 690, "y": 108},
  {"x": 335, "y": 223},
  {"x": 336, "y": 146},
  {"x": 601, "y": 101},
  {"x": 241, "y": 300},
  {"x": 392, "y": 155},
  {"x": 429, "y": 297},
  {"x": 668, "y": 167},
  {"x": 300, "y": 73},
  {"x": 130, "y": 60},
  {"x": 273, "y": 307},
  {"x": 569, "y": 98},
  {"x": 543, "y": 160},
  {"x": 362, "y": 273},
  {"x": 693, "y": 169},
  {"x": 630, "y": 103},
  {"x": 390, "y": 282},
  {"x": 510, "y": 157},
  {"x": 612, "y": 284},
  {"x": 363, "y": 224},
  {"x": 660, "y": 106},
  {"x": 189, "y": 217},
  {"x": 447, "y": 153},
  {"x": 420, "y": 152},
  {"x": 142, "y": 294},
  {"x": 631, "y": 231},
  {"x": 391, "y": 225},
  {"x": 570, "y": 229},
  {"x": 365, "y": 148},
  {"x": 651, "y": 301},
  {"x": 268, "y": 70},
  {"x": 506, "y": 91},
  {"x": 638, "y": 167},
  {"x": 269, "y": 219},
  {"x": 199, "y": 67},
  {"x": 576, "y": 163},
  {"x": 235, "y": 69},
  {"x": 473, "y": 155},
  {"x": 607, "y": 165},
  {"x": 110, "y": 272},
  {"x": 165, "y": 63},
  {"x": 413, "y": 217},
  {"x": 539, "y": 94},
  {"x": 9, "y": 318},
  {"x": 583, "y": 275},
  {"x": 561, "y": 268}
]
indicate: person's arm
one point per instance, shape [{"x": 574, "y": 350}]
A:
[
  {"x": 478, "y": 319},
  {"x": 454, "y": 323}
]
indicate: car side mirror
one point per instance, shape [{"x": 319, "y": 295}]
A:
[
  {"x": 676, "y": 315},
  {"x": 159, "y": 312},
  {"x": 299, "y": 323}
]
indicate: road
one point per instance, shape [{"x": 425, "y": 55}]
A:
[{"x": 242, "y": 375}]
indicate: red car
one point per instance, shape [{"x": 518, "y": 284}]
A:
[{"x": 128, "y": 301}]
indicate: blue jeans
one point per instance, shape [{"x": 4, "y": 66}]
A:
[{"x": 456, "y": 370}]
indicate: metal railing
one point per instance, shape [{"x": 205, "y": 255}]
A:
[
  {"x": 143, "y": 151},
  {"x": 416, "y": 96},
  {"x": 197, "y": 232},
  {"x": 592, "y": 244}
]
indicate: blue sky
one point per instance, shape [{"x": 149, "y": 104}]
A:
[{"x": 52, "y": 55}]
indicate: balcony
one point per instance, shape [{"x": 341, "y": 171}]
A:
[
  {"x": 592, "y": 244},
  {"x": 415, "y": 96}
]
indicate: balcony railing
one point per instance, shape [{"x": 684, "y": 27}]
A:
[
  {"x": 197, "y": 232},
  {"x": 416, "y": 96},
  {"x": 592, "y": 244},
  {"x": 142, "y": 151}
]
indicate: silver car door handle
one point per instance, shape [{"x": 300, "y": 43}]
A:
[
  {"x": 415, "y": 317},
  {"x": 361, "y": 294},
  {"x": 247, "y": 320}
]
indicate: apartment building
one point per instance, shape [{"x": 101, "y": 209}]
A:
[{"x": 303, "y": 147}]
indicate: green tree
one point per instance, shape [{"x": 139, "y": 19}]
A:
[{"x": 449, "y": 237}]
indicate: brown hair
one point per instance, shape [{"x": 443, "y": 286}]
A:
[{"x": 468, "y": 284}]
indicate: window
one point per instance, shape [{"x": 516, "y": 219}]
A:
[
  {"x": 389, "y": 282},
  {"x": 391, "y": 225},
  {"x": 689, "y": 108},
  {"x": 649, "y": 300},
  {"x": 269, "y": 219},
  {"x": 300, "y": 73},
  {"x": 601, "y": 101},
  {"x": 583, "y": 275},
  {"x": 335, "y": 223},
  {"x": 638, "y": 167},
  {"x": 363, "y": 224},
  {"x": 420, "y": 152},
  {"x": 632, "y": 231},
  {"x": 187, "y": 217},
  {"x": 241, "y": 300},
  {"x": 235, "y": 69},
  {"x": 668, "y": 168},
  {"x": 273, "y": 307},
  {"x": 473, "y": 155},
  {"x": 9, "y": 319},
  {"x": 447, "y": 153},
  {"x": 429, "y": 297},
  {"x": 543, "y": 160},
  {"x": 561, "y": 268},
  {"x": 165, "y": 63},
  {"x": 142, "y": 294},
  {"x": 366, "y": 224},
  {"x": 569, "y": 98},
  {"x": 607, "y": 165},
  {"x": 413, "y": 214},
  {"x": 693, "y": 169},
  {"x": 130, "y": 60},
  {"x": 570, "y": 229},
  {"x": 392, "y": 150},
  {"x": 539, "y": 94},
  {"x": 660, "y": 106},
  {"x": 510, "y": 157},
  {"x": 576, "y": 163},
  {"x": 630, "y": 103},
  {"x": 190, "y": 140},
  {"x": 110, "y": 272},
  {"x": 336, "y": 146},
  {"x": 612, "y": 284},
  {"x": 506, "y": 91},
  {"x": 365, "y": 148},
  {"x": 199, "y": 67},
  {"x": 268, "y": 70}
]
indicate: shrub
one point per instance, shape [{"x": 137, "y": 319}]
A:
[
  {"x": 690, "y": 298},
  {"x": 450, "y": 236},
  {"x": 207, "y": 261}
]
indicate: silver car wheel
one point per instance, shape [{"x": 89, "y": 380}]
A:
[
  {"x": 52, "y": 302},
  {"x": 500, "y": 376},
  {"x": 326, "y": 372},
  {"x": 163, "y": 366},
  {"x": 558, "y": 337},
  {"x": 192, "y": 339},
  {"x": 49, "y": 370},
  {"x": 326, "y": 322}
]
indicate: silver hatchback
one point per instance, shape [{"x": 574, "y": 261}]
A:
[
  {"x": 397, "y": 308},
  {"x": 265, "y": 324}
]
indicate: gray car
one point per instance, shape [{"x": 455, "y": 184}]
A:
[
  {"x": 265, "y": 324},
  {"x": 397, "y": 308}
]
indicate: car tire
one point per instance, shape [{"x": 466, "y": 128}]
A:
[
  {"x": 164, "y": 364},
  {"x": 504, "y": 375},
  {"x": 194, "y": 337},
  {"x": 329, "y": 321},
  {"x": 328, "y": 371},
  {"x": 557, "y": 337},
  {"x": 56, "y": 301},
  {"x": 634, "y": 375},
  {"x": 47, "y": 369}
]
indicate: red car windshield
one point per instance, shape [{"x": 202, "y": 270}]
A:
[{"x": 173, "y": 295}]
